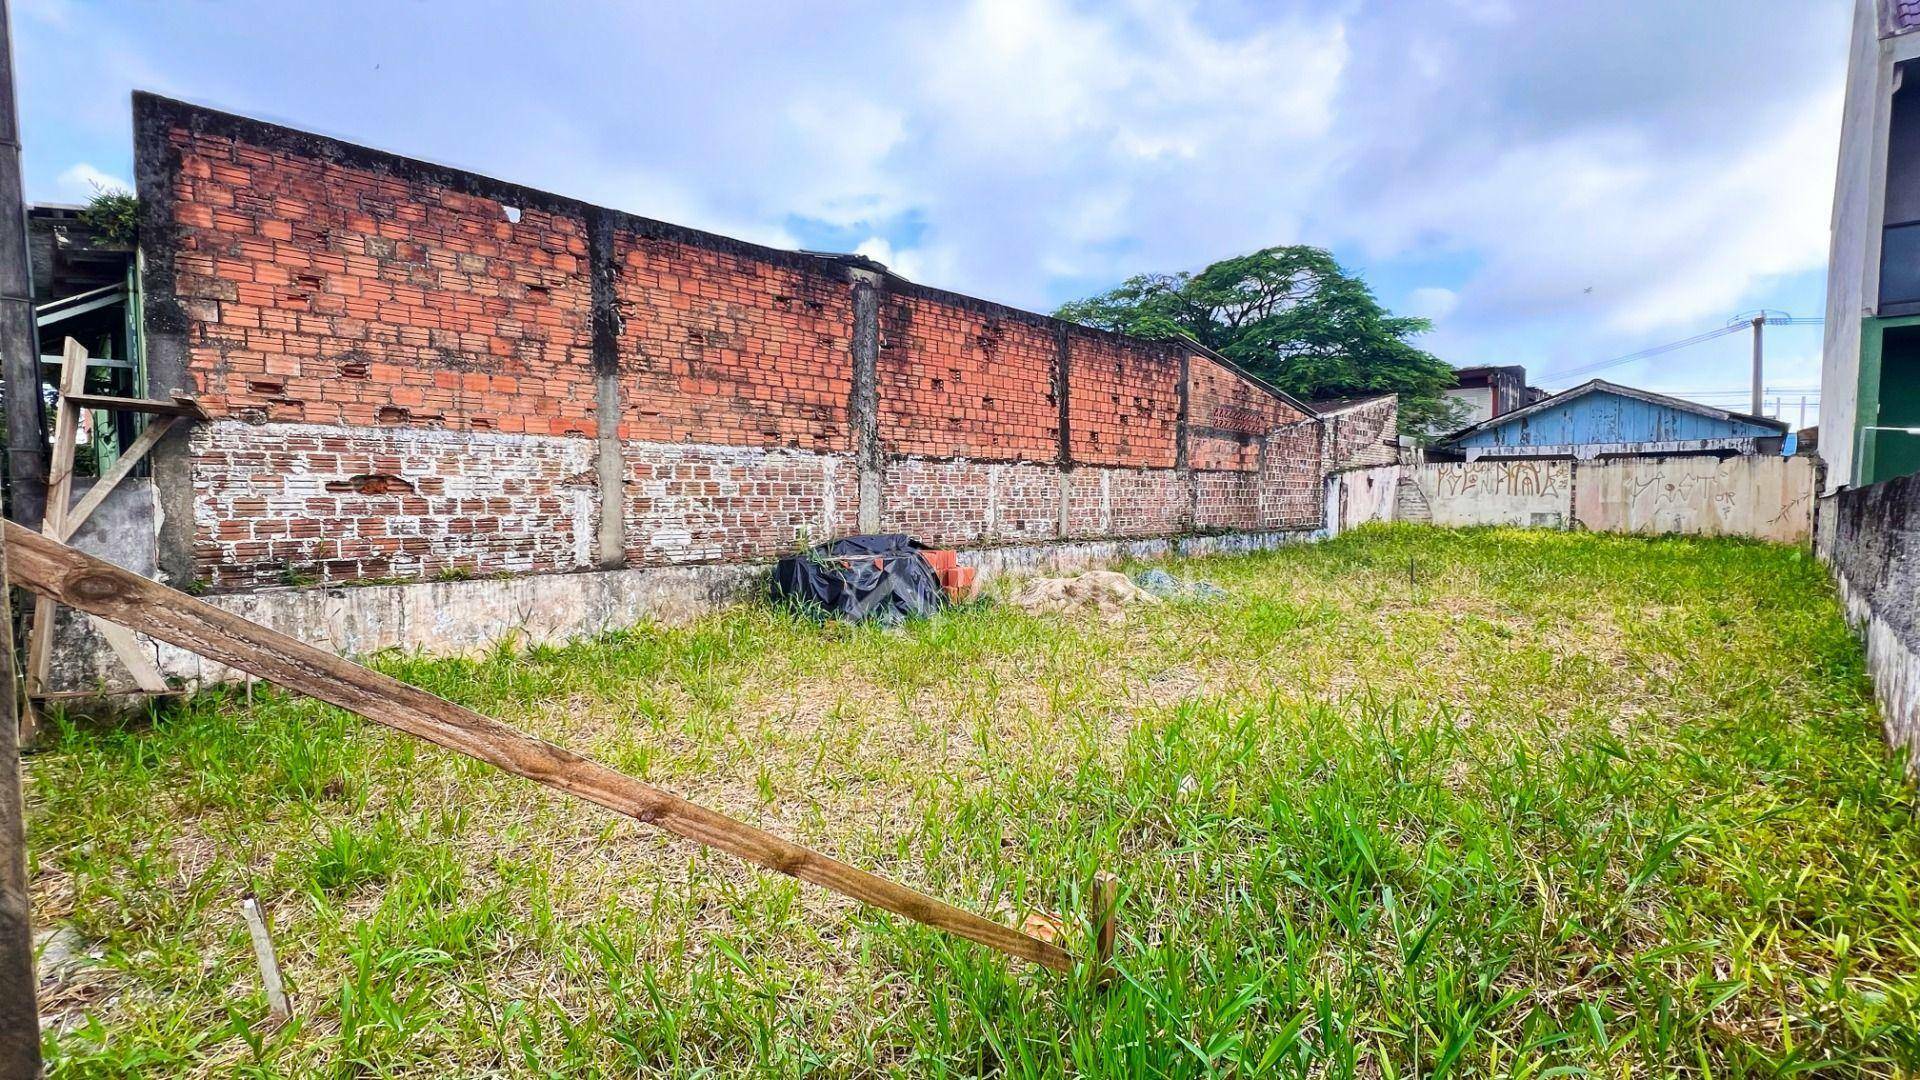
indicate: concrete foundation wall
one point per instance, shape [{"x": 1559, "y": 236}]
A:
[
  {"x": 1870, "y": 537},
  {"x": 469, "y": 617}
]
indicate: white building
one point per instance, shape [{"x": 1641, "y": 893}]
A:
[{"x": 1870, "y": 371}]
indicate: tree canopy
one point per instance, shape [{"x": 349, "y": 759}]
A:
[{"x": 1294, "y": 317}]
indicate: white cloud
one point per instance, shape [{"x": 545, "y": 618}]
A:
[
  {"x": 82, "y": 181},
  {"x": 1432, "y": 302},
  {"x": 1556, "y": 188}
]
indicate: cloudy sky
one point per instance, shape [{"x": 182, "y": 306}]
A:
[{"x": 1553, "y": 184}]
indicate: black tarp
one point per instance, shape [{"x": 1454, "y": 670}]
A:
[{"x": 860, "y": 577}]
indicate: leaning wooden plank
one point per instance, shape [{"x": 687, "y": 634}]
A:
[
  {"x": 146, "y": 674},
  {"x": 66, "y": 419},
  {"x": 181, "y": 405},
  {"x": 122, "y": 468},
  {"x": 81, "y": 581}
]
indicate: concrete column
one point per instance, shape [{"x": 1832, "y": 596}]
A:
[
  {"x": 1063, "y": 397},
  {"x": 1182, "y": 464},
  {"x": 610, "y": 466},
  {"x": 155, "y": 163},
  {"x": 863, "y": 404}
]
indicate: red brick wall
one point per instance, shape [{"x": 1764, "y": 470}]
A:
[
  {"x": 1290, "y": 492},
  {"x": 413, "y": 353},
  {"x": 1124, "y": 401},
  {"x": 321, "y": 293},
  {"x": 1227, "y": 415},
  {"x": 720, "y": 347},
  {"x": 956, "y": 382},
  {"x": 1364, "y": 435}
]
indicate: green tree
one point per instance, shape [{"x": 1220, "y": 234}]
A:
[{"x": 1296, "y": 318}]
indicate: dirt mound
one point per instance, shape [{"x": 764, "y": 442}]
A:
[{"x": 1099, "y": 591}]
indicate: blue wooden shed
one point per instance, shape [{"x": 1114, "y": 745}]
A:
[{"x": 1603, "y": 419}]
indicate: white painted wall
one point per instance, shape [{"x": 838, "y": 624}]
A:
[
  {"x": 1853, "y": 263},
  {"x": 1762, "y": 496},
  {"x": 1768, "y": 498}
]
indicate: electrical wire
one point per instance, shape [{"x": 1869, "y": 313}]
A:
[{"x": 1738, "y": 324}]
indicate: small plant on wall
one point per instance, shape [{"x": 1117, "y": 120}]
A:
[{"x": 113, "y": 215}]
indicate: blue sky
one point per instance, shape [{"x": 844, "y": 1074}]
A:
[{"x": 1553, "y": 184}]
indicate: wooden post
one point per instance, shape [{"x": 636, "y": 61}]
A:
[
  {"x": 269, "y": 963},
  {"x": 61, "y": 522},
  {"x": 19, "y": 1014},
  {"x": 1106, "y": 903},
  {"x": 83, "y": 582},
  {"x": 20, "y": 359}
]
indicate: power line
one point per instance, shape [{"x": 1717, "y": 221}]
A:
[
  {"x": 1740, "y": 323},
  {"x": 1643, "y": 354}
]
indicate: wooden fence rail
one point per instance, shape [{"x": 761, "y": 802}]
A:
[{"x": 52, "y": 569}]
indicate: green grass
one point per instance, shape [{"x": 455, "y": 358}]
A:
[{"x": 1409, "y": 802}]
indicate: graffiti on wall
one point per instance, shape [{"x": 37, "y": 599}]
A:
[
  {"x": 1769, "y": 498},
  {"x": 1493, "y": 492}
]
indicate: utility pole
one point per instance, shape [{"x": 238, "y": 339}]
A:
[
  {"x": 19, "y": 1015},
  {"x": 1803, "y": 412},
  {"x": 1759, "y": 322},
  {"x": 19, "y": 336}
]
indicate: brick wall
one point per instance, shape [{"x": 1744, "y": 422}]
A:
[
  {"x": 1227, "y": 417},
  {"x": 1124, "y": 400},
  {"x": 415, "y": 369},
  {"x": 339, "y": 503},
  {"x": 1364, "y": 435},
  {"x": 959, "y": 382},
  {"x": 321, "y": 293},
  {"x": 721, "y": 347}
]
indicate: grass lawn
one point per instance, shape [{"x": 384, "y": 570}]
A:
[{"x": 1512, "y": 802}]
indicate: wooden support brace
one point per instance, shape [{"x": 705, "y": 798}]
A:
[
  {"x": 1106, "y": 904},
  {"x": 52, "y": 569}
]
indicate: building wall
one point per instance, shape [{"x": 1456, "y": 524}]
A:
[
  {"x": 1607, "y": 418},
  {"x": 416, "y": 372},
  {"x": 1853, "y": 275}
]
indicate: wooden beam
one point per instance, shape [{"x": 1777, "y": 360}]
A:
[
  {"x": 81, "y": 581},
  {"x": 121, "y": 469},
  {"x": 146, "y": 673},
  {"x": 66, "y": 419},
  {"x": 181, "y": 405}
]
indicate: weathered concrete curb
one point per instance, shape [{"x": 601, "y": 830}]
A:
[{"x": 446, "y": 618}]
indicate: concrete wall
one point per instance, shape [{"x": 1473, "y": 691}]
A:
[
  {"x": 1460, "y": 493},
  {"x": 1769, "y": 498},
  {"x": 1870, "y": 537},
  {"x": 1853, "y": 275}
]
